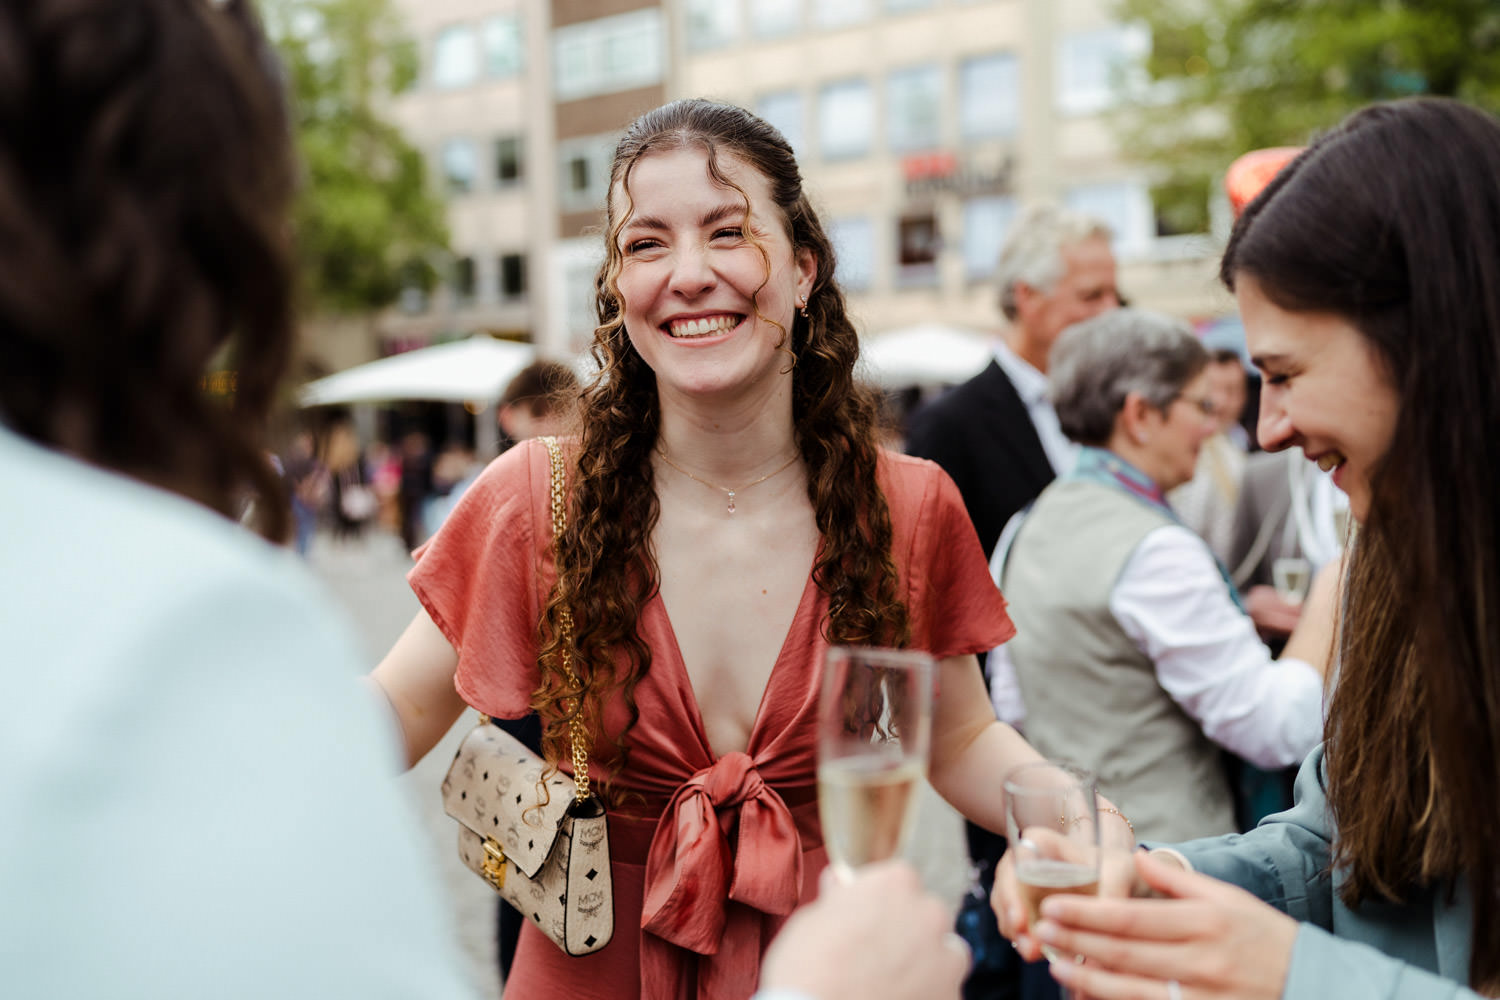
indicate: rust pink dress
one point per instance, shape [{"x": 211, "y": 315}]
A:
[{"x": 709, "y": 854}]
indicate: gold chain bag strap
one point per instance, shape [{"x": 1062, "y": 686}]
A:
[{"x": 549, "y": 859}]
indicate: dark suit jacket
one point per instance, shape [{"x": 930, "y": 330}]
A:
[{"x": 982, "y": 436}]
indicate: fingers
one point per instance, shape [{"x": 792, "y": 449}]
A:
[
  {"x": 1103, "y": 984},
  {"x": 1125, "y": 955},
  {"x": 1010, "y": 911},
  {"x": 1134, "y": 919}
]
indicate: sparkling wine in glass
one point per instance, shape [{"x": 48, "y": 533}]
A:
[
  {"x": 1052, "y": 818},
  {"x": 874, "y": 730},
  {"x": 1291, "y": 577}
]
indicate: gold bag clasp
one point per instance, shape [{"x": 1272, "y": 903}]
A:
[{"x": 493, "y": 869}]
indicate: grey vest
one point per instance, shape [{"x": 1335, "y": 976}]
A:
[{"x": 1091, "y": 696}]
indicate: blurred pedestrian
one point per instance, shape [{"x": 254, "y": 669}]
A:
[
  {"x": 541, "y": 399},
  {"x": 308, "y": 484},
  {"x": 416, "y": 486}
]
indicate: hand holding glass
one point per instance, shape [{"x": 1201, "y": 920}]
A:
[
  {"x": 1052, "y": 819},
  {"x": 874, "y": 730}
]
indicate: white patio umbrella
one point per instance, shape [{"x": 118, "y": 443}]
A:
[
  {"x": 473, "y": 370},
  {"x": 925, "y": 354}
]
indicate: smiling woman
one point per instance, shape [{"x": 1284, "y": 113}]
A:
[{"x": 727, "y": 373}]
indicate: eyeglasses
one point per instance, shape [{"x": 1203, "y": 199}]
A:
[{"x": 1205, "y": 404}]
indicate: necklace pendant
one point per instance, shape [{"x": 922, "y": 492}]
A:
[{"x": 731, "y": 500}]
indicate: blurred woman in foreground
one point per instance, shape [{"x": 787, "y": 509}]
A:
[
  {"x": 1368, "y": 275},
  {"x": 195, "y": 787}
]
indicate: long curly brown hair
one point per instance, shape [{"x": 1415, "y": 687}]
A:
[
  {"x": 145, "y": 176},
  {"x": 1410, "y": 255},
  {"x": 606, "y": 570}
]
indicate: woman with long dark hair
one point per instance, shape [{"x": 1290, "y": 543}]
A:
[
  {"x": 730, "y": 517},
  {"x": 1368, "y": 275}
]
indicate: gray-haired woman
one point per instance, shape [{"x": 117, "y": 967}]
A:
[{"x": 1133, "y": 657}]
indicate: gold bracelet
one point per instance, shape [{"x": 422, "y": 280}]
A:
[{"x": 1129, "y": 825}]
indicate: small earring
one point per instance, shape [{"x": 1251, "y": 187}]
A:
[{"x": 802, "y": 304}]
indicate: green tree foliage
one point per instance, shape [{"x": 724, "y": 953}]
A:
[
  {"x": 1228, "y": 76},
  {"x": 367, "y": 222}
]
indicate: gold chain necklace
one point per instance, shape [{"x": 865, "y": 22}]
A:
[{"x": 730, "y": 493}]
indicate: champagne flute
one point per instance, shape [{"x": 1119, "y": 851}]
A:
[
  {"x": 874, "y": 730},
  {"x": 1052, "y": 819},
  {"x": 1291, "y": 576}
]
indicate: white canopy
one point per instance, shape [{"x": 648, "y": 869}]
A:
[
  {"x": 473, "y": 370},
  {"x": 925, "y": 354}
]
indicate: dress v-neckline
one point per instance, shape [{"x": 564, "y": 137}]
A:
[{"x": 684, "y": 679}]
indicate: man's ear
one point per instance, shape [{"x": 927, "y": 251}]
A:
[{"x": 1025, "y": 297}]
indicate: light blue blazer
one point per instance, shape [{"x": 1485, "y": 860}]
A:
[{"x": 1415, "y": 951}]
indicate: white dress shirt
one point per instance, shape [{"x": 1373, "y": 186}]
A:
[
  {"x": 1031, "y": 386},
  {"x": 1175, "y": 606}
]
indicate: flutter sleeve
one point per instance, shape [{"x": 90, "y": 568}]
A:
[
  {"x": 483, "y": 579},
  {"x": 952, "y": 602}
]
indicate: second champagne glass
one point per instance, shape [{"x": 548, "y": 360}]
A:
[
  {"x": 874, "y": 730},
  {"x": 1052, "y": 818}
]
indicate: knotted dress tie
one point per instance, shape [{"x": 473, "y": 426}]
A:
[{"x": 709, "y": 898}]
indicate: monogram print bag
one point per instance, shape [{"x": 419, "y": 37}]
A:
[{"x": 539, "y": 840}]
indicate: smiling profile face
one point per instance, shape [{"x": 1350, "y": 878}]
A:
[
  {"x": 1324, "y": 389},
  {"x": 708, "y": 290}
]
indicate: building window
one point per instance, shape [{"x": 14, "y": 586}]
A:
[
  {"x": 775, "y": 18},
  {"x": 989, "y": 97},
  {"x": 840, "y": 13},
  {"x": 460, "y": 165},
  {"x": 784, "y": 111},
  {"x": 711, "y": 24},
  {"x": 571, "y": 268},
  {"x": 853, "y": 241},
  {"x": 846, "y": 119},
  {"x": 503, "y": 45},
  {"x": 608, "y": 55},
  {"x": 455, "y": 57},
  {"x": 917, "y": 246},
  {"x": 1125, "y": 206},
  {"x": 986, "y": 222},
  {"x": 585, "y": 172},
  {"x": 914, "y": 108},
  {"x": 512, "y": 277},
  {"x": 465, "y": 280},
  {"x": 510, "y": 162},
  {"x": 1096, "y": 69}
]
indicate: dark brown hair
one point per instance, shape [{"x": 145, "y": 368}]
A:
[
  {"x": 545, "y": 387},
  {"x": 1392, "y": 221},
  {"x": 145, "y": 175},
  {"x": 606, "y": 570}
]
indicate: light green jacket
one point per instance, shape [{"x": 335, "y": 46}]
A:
[{"x": 1415, "y": 951}]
